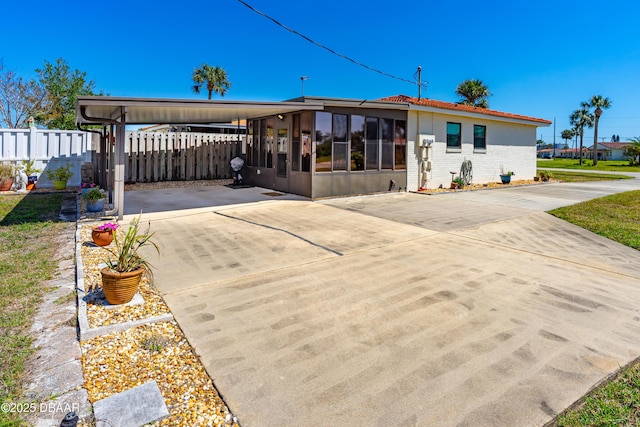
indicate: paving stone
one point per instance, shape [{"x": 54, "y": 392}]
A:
[
  {"x": 56, "y": 349},
  {"x": 51, "y": 412},
  {"x": 136, "y": 300},
  {"x": 69, "y": 208},
  {"x": 134, "y": 407},
  {"x": 55, "y": 381},
  {"x": 54, "y": 317}
]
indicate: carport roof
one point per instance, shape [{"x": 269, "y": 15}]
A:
[{"x": 101, "y": 109}]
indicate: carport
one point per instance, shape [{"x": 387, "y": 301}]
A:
[{"x": 118, "y": 112}]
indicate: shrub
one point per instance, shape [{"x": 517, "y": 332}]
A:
[
  {"x": 94, "y": 195},
  {"x": 7, "y": 171},
  {"x": 545, "y": 175},
  {"x": 63, "y": 173}
]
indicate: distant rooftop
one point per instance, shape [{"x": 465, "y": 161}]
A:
[{"x": 613, "y": 145}]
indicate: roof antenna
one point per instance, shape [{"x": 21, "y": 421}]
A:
[
  {"x": 419, "y": 82},
  {"x": 302, "y": 79}
]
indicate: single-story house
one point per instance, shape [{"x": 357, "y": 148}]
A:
[
  {"x": 355, "y": 146},
  {"x": 547, "y": 153},
  {"x": 564, "y": 153},
  {"x": 611, "y": 150},
  {"x": 323, "y": 147}
]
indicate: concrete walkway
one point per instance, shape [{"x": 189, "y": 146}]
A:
[{"x": 468, "y": 308}]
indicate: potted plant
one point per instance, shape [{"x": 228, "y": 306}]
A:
[
  {"x": 121, "y": 276},
  {"x": 7, "y": 174},
  {"x": 85, "y": 187},
  {"x": 545, "y": 176},
  {"x": 505, "y": 175},
  {"x": 102, "y": 235},
  {"x": 28, "y": 166},
  {"x": 457, "y": 182},
  {"x": 95, "y": 199},
  {"x": 60, "y": 176}
]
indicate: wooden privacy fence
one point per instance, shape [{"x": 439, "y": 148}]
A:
[{"x": 179, "y": 156}]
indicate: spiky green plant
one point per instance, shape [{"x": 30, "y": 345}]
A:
[
  {"x": 126, "y": 249},
  {"x": 94, "y": 195}
]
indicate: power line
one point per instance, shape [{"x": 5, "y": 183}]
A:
[{"x": 422, "y": 84}]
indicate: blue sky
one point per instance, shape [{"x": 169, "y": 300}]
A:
[{"x": 538, "y": 58}]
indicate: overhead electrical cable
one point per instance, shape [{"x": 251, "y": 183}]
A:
[{"x": 328, "y": 49}]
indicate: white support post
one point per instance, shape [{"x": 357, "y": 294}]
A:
[{"x": 118, "y": 167}]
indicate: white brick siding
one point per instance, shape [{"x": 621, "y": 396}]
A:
[{"x": 509, "y": 144}]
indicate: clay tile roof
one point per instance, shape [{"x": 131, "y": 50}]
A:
[
  {"x": 459, "y": 107},
  {"x": 614, "y": 145}
]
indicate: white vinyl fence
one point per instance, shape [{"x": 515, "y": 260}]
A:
[{"x": 49, "y": 148}]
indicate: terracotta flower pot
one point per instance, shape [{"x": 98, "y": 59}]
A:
[
  {"x": 119, "y": 288},
  {"x": 101, "y": 238},
  {"x": 6, "y": 185}
]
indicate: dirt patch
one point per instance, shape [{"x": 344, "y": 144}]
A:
[{"x": 489, "y": 185}]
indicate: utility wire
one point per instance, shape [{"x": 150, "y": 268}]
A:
[{"x": 328, "y": 49}]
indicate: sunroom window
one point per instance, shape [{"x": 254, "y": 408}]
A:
[{"x": 323, "y": 141}]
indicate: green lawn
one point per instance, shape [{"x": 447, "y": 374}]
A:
[
  {"x": 617, "y": 402},
  {"x": 27, "y": 245},
  {"x": 587, "y": 164},
  {"x": 616, "y": 217}
]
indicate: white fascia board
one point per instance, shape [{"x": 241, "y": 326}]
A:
[{"x": 357, "y": 103}]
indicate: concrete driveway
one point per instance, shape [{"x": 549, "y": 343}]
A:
[{"x": 473, "y": 308}]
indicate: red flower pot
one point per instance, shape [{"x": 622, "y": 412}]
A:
[
  {"x": 101, "y": 238},
  {"x": 6, "y": 185}
]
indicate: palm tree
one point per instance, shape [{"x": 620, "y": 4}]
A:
[
  {"x": 214, "y": 78},
  {"x": 633, "y": 151},
  {"x": 581, "y": 118},
  {"x": 599, "y": 103},
  {"x": 474, "y": 92},
  {"x": 576, "y": 132},
  {"x": 567, "y": 134}
]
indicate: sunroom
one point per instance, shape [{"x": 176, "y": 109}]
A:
[{"x": 348, "y": 147}]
